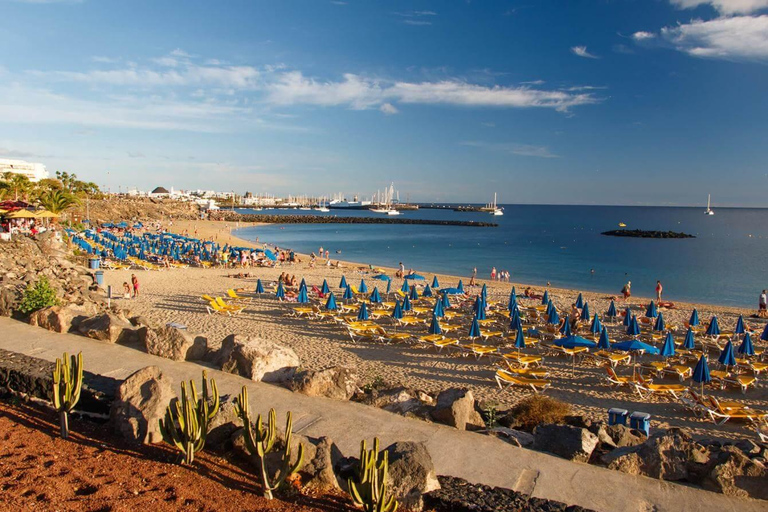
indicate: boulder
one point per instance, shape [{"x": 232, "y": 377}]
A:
[
  {"x": 108, "y": 327},
  {"x": 337, "y": 382},
  {"x": 258, "y": 359},
  {"x": 567, "y": 441},
  {"x": 9, "y": 300},
  {"x": 317, "y": 471},
  {"x": 411, "y": 473},
  {"x": 173, "y": 343},
  {"x": 456, "y": 407},
  {"x": 60, "y": 318},
  {"x": 735, "y": 474},
  {"x": 512, "y": 436},
  {"x": 223, "y": 425},
  {"x": 140, "y": 403},
  {"x": 622, "y": 435}
]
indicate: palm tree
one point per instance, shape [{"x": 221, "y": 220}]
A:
[
  {"x": 56, "y": 201},
  {"x": 18, "y": 184}
]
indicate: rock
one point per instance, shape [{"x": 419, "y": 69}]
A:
[
  {"x": 140, "y": 403},
  {"x": 456, "y": 407},
  {"x": 412, "y": 473},
  {"x": 317, "y": 471},
  {"x": 622, "y": 435},
  {"x": 173, "y": 343},
  {"x": 258, "y": 359},
  {"x": 108, "y": 327},
  {"x": 735, "y": 474},
  {"x": 569, "y": 442},
  {"x": 749, "y": 447},
  {"x": 222, "y": 426},
  {"x": 9, "y": 299},
  {"x": 512, "y": 436},
  {"x": 60, "y": 318},
  {"x": 141, "y": 321},
  {"x": 337, "y": 382}
]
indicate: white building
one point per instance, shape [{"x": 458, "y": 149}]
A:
[{"x": 35, "y": 172}]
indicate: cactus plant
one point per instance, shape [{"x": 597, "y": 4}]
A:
[
  {"x": 67, "y": 384},
  {"x": 371, "y": 489},
  {"x": 187, "y": 429},
  {"x": 261, "y": 441}
]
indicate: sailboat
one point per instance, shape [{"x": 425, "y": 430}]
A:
[
  {"x": 322, "y": 207},
  {"x": 494, "y": 209},
  {"x": 709, "y": 210}
]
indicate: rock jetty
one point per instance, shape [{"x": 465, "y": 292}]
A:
[
  {"x": 231, "y": 216},
  {"x": 640, "y": 233}
]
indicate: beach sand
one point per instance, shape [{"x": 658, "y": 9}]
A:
[{"x": 174, "y": 295}]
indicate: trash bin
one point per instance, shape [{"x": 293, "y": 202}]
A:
[
  {"x": 617, "y": 416},
  {"x": 94, "y": 263},
  {"x": 640, "y": 421},
  {"x": 99, "y": 277}
]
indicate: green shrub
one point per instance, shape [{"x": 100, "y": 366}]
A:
[
  {"x": 38, "y": 296},
  {"x": 538, "y": 409}
]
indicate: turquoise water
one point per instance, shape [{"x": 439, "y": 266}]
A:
[{"x": 561, "y": 244}]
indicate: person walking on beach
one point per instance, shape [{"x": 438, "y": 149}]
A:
[
  {"x": 627, "y": 291},
  {"x": 761, "y": 306},
  {"x": 135, "y": 282},
  {"x": 493, "y": 274},
  {"x": 659, "y": 289}
]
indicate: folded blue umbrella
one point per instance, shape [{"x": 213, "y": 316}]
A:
[
  {"x": 450, "y": 291},
  {"x": 363, "y": 288},
  {"x": 650, "y": 311},
  {"x": 348, "y": 295},
  {"x": 627, "y": 316},
  {"x": 713, "y": 329},
  {"x": 554, "y": 318},
  {"x": 362, "y": 312},
  {"x": 694, "y": 320},
  {"x": 389, "y": 286},
  {"x": 325, "y": 289},
  {"x": 565, "y": 329},
  {"x": 573, "y": 341},
  {"x": 580, "y": 301},
  {"x": 512, "y": 306},
  {"x": 764, "y": 335},
  {"x": 519, "y": 339},
  {"x": 382, "y": 277},
  {"x": 596, "y": 326},
  {"x": 375, "y": 297},
  {"x": 330, "y": 304},
  {"x": 659, "y": 325},
  {"x": 633, "y": 329},
  {"x": 435, "y": 283},
  {"x": 726, "y": 356},
  {"x": 545, "y": 297},
  {"x": 701, "y": 372},
  {"x": 397, "y": 311},
  {"x": 438, "y": 309},
  {"x": 689, "y": 342},
  {"x": 474, "y": 329},
  {"x": 427, "y": 292},
  {"x": 280, "y": 293},
  {"x": 302, "y": 284},
  {"x": 746, "y": 348},
  {"x": 446, "y": 302},
  {"x": 407, "y": 304},
  {"x": 668, "y": 349},
  {"x": 585, "y": 312},
  {"x": 484, "y": 292},
  {"x": 604, "y": 343},
  {"x": 739, "y": 326},
  {"x": 302, "y": 298},
  {"x": 343, "y": 283},
  {"x": 516, "y": 323},
  {"x": 513, "y": 296},
  {"x": 406, "y": 287},
  {"x": 479, "y": 309},
  {"x": 434, "y": 327},
  {"x": 635, "y": 345},
  {"x": 550, "y": 308},
  {"x": 414, "y": 294},
  {"x": 415, "y": 277},
  {"x": 460, "y": 286}
]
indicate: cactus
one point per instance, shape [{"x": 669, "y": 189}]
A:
[
  {"x": 370, "y": 491},
  {"x": 187, "y": 429},
  {"x": 261, "y": 441},
  {"x": 67, "y": 384}
]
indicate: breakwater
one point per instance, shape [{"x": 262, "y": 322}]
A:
[
  {"x": 231, "y": 216},
  {"x": 639, "y": 233}
]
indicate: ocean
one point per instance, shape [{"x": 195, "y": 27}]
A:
[{"x": 723, "y": 265}]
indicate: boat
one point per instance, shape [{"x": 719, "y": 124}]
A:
[
  {"x": 709, "y": 210},
  {"x": 493, "y": 208},
  {"x": 386, "y": 205},
  {"x": 340, "y": 203}
]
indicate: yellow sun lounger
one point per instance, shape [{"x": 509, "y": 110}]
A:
[
  {"x": 504, "y": 378},
  {"x": 647, "y": 389},
  {"x": 603, "y": 356},
  {"x": 522, "y": 359},
  {"x": 215, "y": 307},
  {"x": 681, "y": 371},
  {"x": 741, "y": 381},
  {"x": 615, "y": 380},
  {"x": 534, "y": 373},
  {"x": 232, "y": 294},
  {"x": 719, "y": 413},
  {"x": 479, "y": 350},
  {"x": 752, "y": 365}
]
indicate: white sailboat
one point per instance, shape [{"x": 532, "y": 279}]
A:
[
  {"x": 709, "y": 210},
  {"x": 496, "y": 211},
  {"x": 322, "y": 207}
]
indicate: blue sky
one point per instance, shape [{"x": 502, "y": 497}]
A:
[{"x": 546, "y": 101}]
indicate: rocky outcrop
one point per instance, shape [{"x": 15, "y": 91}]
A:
[
  {"x": 62, "y": 318},
  {"x": 257, "y": 359},
  {"x": 735, "y": 474},
  {"x": 337, "y": 382},
  {"x": 173, "y": 343},
  {"x": 225, "y": 423},
  {"x": 412, "y": 473},
  {"x": 569, "y": 442},
  {"x": 108, "y": 327},
  {"x": 140, "y": 403},
  {"x": 456, "y": 407}
]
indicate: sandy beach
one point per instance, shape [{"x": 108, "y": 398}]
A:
[{"x": 174, "y": 295}]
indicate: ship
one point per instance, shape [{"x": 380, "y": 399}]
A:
[
  {"x": 493, "y": 208},
  {"x": 709, "y": 210},
  {"x": 340, "y": 202}
]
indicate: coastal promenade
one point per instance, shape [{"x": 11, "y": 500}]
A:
[{"x": 474, "y": 457}]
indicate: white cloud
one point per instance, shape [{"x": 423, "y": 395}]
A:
[
  {"x": 416, "y": 18},
  {"x": 581, "y": 51},
  {"x": 388, "y": 109},
  {"x": 512, "y": 148},
  {"x": 643, "y": 36},
  {"x": 725, "y": 6},
  {"x": 736, "y": 38}
]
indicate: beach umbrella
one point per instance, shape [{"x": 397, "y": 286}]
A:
[
  {"x": 438, "y": 309},
  {"x": 435, "y": 283},
  {"x": 407, "y": 304},
  {"x": 446, "y": 302},
  {"x": 689, "y": 342},
  {"x": 764, "y": 335},
  {"x": 635, "y": 346},
  {"x": 474, "y": 329},
  {"x": 259, "y": 287},
  {"x": 574, "y": 341},
  {"x": 580, "y": 302},
  {"x": 701, "y": 372},
  {"x": 479, "y": 309},
  {"x": 739, "y": 326},
  {"x": 727, "y": 357},
  {"x": 519, "y": 341},
  {"x": 460, "y": 286},
  {"x": 596, "y": 326},
  {"x": 280, "y": 293},
  {"x": 375, "y": 297},
  {"x": 550, "y": 308},
  {"x": 659, "y": 325},
  {"x": 585, "y": 312},
  {"x": 389, "y": 286},
  {"x": 668, "y": 349},
  {"x": 302, "y": 298},
  {"x": 343, "y": 283},
  {"x": 434, "y": 327},
  {"x": 397, "y": 311},
  {"x": 363, "y": 288},
  {"x": 694, "y": 321},
  {"x": 651, "y": 311},
  {"x": 415, "y": 277},
  {"x": 604, "y": 343},
  {"x": 348, "y": 295},
  {"x": 382, "y": 277},
  {"x": 554, "y": 318},
  {"x": 627, "y": 316},
  {"x": 325, "y": 289},
  {"x": 330, "y": 304},
  {"x": 516, "y": 323},
  {"x": 713, "y": 329},
  {"x": 545, "y": 297},
  {"x": 746, "y": 348},
  {"x": 427, "y": 292},
  {"x": 484, "y": 292},
  {"x": 414, "y": 293},
  {"x": 302, "y": 284},
  {"x": 405, "y": 288},
  {"x": 633, "y": 329},
  {"x": 513, "y": 296},
  {"x": 362, "y": 312},
  {"x": 512, "y": 306},
  {"x": 565, "y": 329}
]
